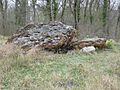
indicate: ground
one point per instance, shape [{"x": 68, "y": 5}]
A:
[{"x": 48, "y": 71}]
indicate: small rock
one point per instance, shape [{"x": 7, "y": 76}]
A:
[{"x": 89, "y": 49}]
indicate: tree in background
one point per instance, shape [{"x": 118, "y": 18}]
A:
[
  {"x": 118, "y": 19},
  {"x": 34, "y": 10},
  {"x": 55, "y": 9},
  {"x": 75, "y": 10},
  {"x": 106, "y": 8},
  {"x": 20, "y": 12},
  {"x": 117, "y": 32},
  {"x": 3, "y": 10},
  {"x": 85, "y": 10},
  {"x": 92, "y": 17},
  {"x": 48, "y": 6},
  {"x": 90, "y": 11},
  {"x": 63, "y": 10}
]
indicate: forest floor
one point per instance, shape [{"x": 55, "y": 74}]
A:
[{"x": 71, "y": 71}]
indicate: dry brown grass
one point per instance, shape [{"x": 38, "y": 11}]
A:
[
  {"x": 8, "y": 50},
  {"x": 41, "y": 70}
]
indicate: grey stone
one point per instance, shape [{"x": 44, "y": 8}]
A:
[
  {"x": 43, "y": 35},
  {"x": 89, "y": 49}
]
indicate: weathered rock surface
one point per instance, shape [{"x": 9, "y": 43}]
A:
[
  {"x": 53, "y": 36},
  {"x": 99, "y": 43},
  {"x": 89, "y": 49}
]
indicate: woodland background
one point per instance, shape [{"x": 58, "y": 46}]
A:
[{"x": 90, "y": 17}]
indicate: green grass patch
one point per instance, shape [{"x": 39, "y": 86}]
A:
[{"x": 74, "y": 71}]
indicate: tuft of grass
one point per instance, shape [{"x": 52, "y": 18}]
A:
[{"x": 2, "y": 39}]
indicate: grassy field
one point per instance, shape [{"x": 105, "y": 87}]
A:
[{"x": 47, "y": 71}]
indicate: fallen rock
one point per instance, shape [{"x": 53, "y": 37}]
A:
[
  {"x": 54, "y": 36},
  {"x": 99, "y": 43},
  {"x": 89, "y": 49}
]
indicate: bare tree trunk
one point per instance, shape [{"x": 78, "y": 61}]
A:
[
  {"x": 117, "y": 32},
  {"x": 20, "y": 12},
  {"x": 70, "y": 6},
  {"x": 85, "y": 11},
  {"x": 75, "y": 14},
  {"x": 34, "y": 10},
  {"x": 118, "y": 19},
  {"x": 23, "y": 12},
  {"x": 90, "y": 11},
  {"x": 108, "y": 20},
  {"x": 17, "y": 12},
  {"x": 78, "y": 10},
  {"x": 63, "y": 10},
  {"x": 55, "y": 9},
  {"x": 49, "y": 9},
  {"x": 106, "y": 6},
  {"x": 75, "y": 10},
  {"x": 3, "y": 10},
  {"x": 98, "y": 4}
]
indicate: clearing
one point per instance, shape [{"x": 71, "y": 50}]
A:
[{"x": 71, "y": 71}]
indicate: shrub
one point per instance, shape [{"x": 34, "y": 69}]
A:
[{"x": 110, "y": 43}]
